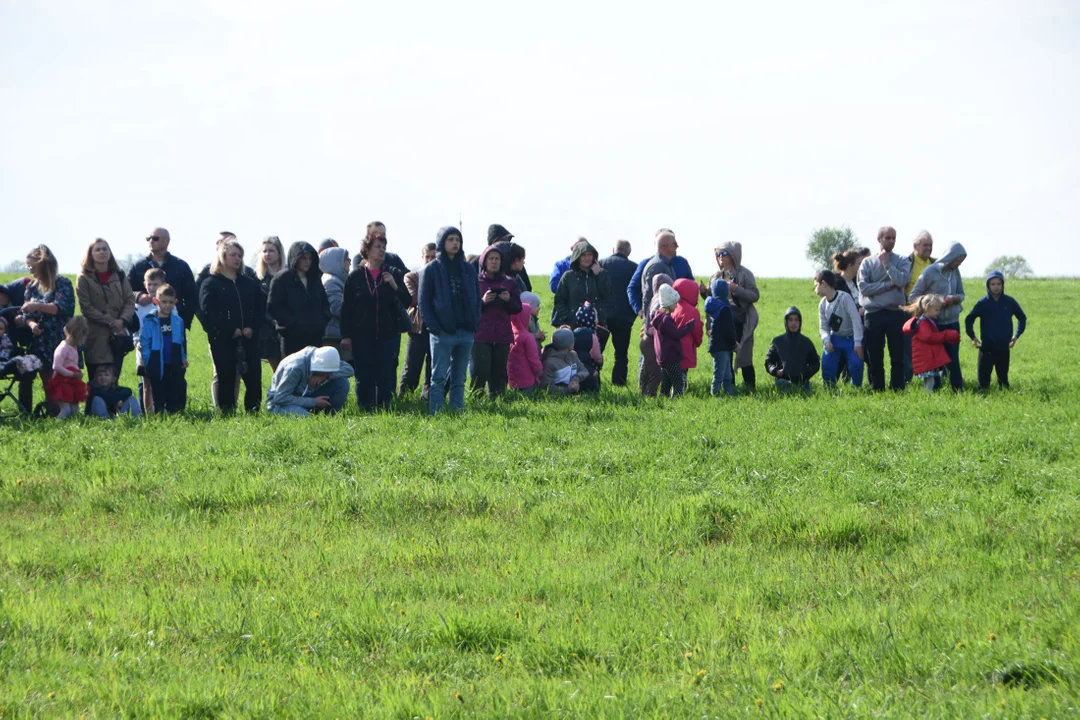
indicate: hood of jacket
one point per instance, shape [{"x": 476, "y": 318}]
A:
[
  {"x": 954, "y": 251},
  {"x": 659, "y": 280},
  {"x": 580, "y": 248},
  {"x": 483, "y": 258},
  {"x": 296, "y": 251},
  {"x": 734, "y": 249},
  {"x": 498, "y": 232},
  {"x": 995, "y": 274},
  {"x": 332, "y": 263},
  {"x": 788, "y": 313},
  {"x": 687, "y": 289},
  {"x": 440, "y": 240},
  {"x": 519, "y": 322},
  {"x": 720, "y": 291}
]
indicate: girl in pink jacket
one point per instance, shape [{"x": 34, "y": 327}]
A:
[{"x": 523, "y": 367}]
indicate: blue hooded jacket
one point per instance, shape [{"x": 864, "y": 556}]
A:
[
  {"x": 996, "y": 327},
  {"x": 722, "y": 330},
  {"x": 151, "y": 341},
  {"x": 434, "y": 296}
]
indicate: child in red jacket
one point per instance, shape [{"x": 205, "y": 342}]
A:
[
  {"x": 928, "y": 355},
  {"x": 683, "y": 313}
]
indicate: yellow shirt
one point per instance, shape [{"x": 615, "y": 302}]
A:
[{"x": 917, "y": 266}]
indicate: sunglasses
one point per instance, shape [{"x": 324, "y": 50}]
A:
[
  {"x": 722, "y": 253},
  {"x": 153, "y": 238}
]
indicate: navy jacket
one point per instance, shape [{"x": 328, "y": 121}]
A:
[
  {"x": 620, "y": 270},
  {"x": 678, "y": 264},
  {"x": 434, "y": 295},
  {"x": 996, "y": 328},
  {"x": 178, "y": 274}
]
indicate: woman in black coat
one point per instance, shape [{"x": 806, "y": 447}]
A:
[
  {"x": 375, "y": 297},
  {"x": 232, "y": 307},
  {"x": 298, "y": 300}
]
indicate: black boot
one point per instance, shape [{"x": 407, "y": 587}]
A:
[{"x": 749, "y": 378}]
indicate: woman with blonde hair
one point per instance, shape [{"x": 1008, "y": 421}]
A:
[
  {"x": 270, "y": 262},
  {"x": 107, "y": 303},
  {"x": 232, "y": 307},
  {"x": 48, "y": 304}
]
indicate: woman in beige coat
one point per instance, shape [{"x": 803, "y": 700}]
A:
[
  {"x": 743, "y": 294},
  {"x": 106, "y": 302}
]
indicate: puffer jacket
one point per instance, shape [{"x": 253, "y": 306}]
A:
[
  {"x": 683, "y": 313},
  {"x": 523, "y": 367},
  {"x": 928, "y": 344}
]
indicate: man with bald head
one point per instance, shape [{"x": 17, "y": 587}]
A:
[
  {"x": 177, "y": 273},
  {"x": 635, "y": 290},
  {"x": 883, "y": 279}
]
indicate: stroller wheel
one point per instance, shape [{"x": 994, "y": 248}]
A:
[{"x": 41, "y": 410}]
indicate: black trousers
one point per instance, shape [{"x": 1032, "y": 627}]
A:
[
  {"x": 672, "y": 379},
  {"x": 885, "y": 326},
  {"x": 489, "y": 367},
  {"x": 417, "y": 360},
  {"x": 169, "y": 393},
  {"x": 991, "y": 360},
  {"x": 226, "y": 354},
  {"x": 620, "y": 332}
]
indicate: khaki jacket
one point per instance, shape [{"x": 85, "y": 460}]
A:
[{"x": 100, "y": 305}]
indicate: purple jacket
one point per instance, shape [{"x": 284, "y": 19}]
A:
[
  {"x": 495, "y": 326},
  {"x": 667, "y": 338}
]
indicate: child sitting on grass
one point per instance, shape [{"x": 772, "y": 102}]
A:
[
  {"x": 996, "y": 312},
  {"x": 163, "y": 356},
  {"x": 667, "y": 342},
  {"x": 66, "y": 388},
  {"x": 563, "y": 371},
  {"x": 107, "y": 399},
  {"x": 722, "y": 339},
  {"x": 928, "y": 356},
  {"x": 792, "y": 358}
]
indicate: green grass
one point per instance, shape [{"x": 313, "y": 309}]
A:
[{"x": 845, "y": 554}]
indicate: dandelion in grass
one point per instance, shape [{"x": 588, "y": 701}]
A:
[
  {"x": 991, "y": 637},
  {"x": 688, "y": 655},
  {"x": 960, "y": 645},
  {"x": 759, "y": 702},
  {"x": 499, "y": 658},
  {"x": 315, "y": 615},
  {"x": 459, "y": 698},
  {"x": 778, "y": 686},
  {"x": 700, "y": 676}
]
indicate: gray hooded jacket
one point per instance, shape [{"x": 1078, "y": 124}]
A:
[
  {"x": 937, "y": 280},
  {"x": 335, "y": 273},
  {"x": 290, "y": 383}
]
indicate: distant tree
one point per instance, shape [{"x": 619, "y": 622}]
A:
[
  {"x": 14, "y": 267},
  {"x": 826, "y": 242},
  {"x": 1014, "y": 267}
]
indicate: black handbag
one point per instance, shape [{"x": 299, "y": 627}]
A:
[
  {"x": 121, "y": 344},
  {"x": 402, "y": 321}
]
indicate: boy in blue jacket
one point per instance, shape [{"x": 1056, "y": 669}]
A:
[
  {"x": 996, "y": 311},
  {"x": 722, "y": 339},
  {"x": 164, "y": 359}
]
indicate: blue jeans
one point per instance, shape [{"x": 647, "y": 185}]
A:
[
  {"x": 956, "y": 378},
  {"x": 450, "y": 355},
  {"x": 337, "y": 389},
  {"x": 375, "y": 363},
  {"x": 722, "y": 377},
  {"x": 130, "y": 407},
  {"x": 830, "y": 361}
]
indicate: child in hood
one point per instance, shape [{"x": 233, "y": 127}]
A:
[
  {"x": 683, "y": 313},
  {"x": 792, "y": 358},
  {"x": 533, "y": 300},
  {"x": 587, "y": 346},
  {"x": 334, "y": 263},
  {"x": 996, "y": 312},
  {"x": 667, "y": 342},
  {"x": 524, "y": 367},
  {"x": 928, "y": 355},
  {"x": 722, "y": 339},
  {"x": 563, "y": 371}
]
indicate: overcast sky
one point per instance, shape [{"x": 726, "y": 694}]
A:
[{"x": 741, "y": 121}]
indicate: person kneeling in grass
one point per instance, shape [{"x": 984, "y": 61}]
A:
[
  {"x": 308, "y": 381},
  {"x": 792, "y": 358}
]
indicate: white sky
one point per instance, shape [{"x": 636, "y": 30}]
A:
[{"x": 748, "y": 121}]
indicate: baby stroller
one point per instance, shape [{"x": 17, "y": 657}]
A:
[{"x": 13, "y": 368}]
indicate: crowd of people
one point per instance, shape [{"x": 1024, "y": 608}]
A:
[{"x": 318, "y": 320}]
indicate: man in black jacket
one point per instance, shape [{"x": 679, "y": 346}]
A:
[
  {"x": 792, "y": 358},
  {"x": 620, "y": 316},
  {"x": 177, "y": 273}
]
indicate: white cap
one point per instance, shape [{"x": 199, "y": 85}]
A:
[
  {"x": 669, "y": 297},
  {"x": 325, "y": 359}
]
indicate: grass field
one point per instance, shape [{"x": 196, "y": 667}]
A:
[{"x": 845, "y": 554}]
